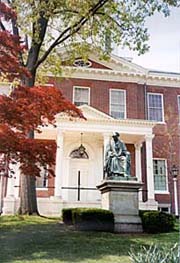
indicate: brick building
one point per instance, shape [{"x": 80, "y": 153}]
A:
[{"x": 115, "y": 95}]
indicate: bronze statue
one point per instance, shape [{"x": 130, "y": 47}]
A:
[{"x": 117, "y": 158}]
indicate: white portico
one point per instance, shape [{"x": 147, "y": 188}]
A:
[{"x": 76, "y": 178}]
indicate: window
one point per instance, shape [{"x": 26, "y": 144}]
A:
[
  {"x": 117, "y": 103},
  {"x": 164, "y": 209},
  {"x": 42, "y": 180},
  {"x": 155, "y": 107},
  {"x": 179, "y": 106},
  {"x": 160, "y": 175},
  {"x": 82, "y": 63},
  {"x": 79, "y": 153},
  {"x": 81, "y": 96}
]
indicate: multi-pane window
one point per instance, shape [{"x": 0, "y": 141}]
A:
[
  {"x": 81, "y": 96},
  {"x": 160, "y": 176},
  {"x": 155, "y": 107},
  {"x": 179, "y": 106},
  {"x": 42, "y": 180},
  {"x": 118, "y": 103}
]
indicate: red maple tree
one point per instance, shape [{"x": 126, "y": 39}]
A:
[{"x": 25, "y": 110}]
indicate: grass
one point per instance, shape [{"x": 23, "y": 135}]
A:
[{"x": 42, "y": 240}]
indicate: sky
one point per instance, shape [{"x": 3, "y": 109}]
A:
[{"x": 164, "y": 53}]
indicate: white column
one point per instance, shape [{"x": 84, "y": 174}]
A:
[
  {"x": 10, "y": 187},
  {"x": 138, "y": 165},
  {"x": 149, "y": 167},
  {"x": 59, "y": 164},
  {"x": 17, "y": 180},
  {"x": 175, "y": 197},
  {"x": 14, "y": 181}
]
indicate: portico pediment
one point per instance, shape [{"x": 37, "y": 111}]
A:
[
  {"x": 119, "y": 64},
  {"x": 91, "y": 113}
]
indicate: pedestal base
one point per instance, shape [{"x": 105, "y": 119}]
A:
[{"x": 121, "y": 197}]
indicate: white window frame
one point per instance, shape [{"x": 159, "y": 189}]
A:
[
  {"x": 162, "y": 100},
  {"x": 161, "y": 206},
  {"x": 178, "y": 101},
  {"x": 43, "y": 188},
  {"x": 125, "y": 110},
  {"x": 81, "y": 87},
  {"x": 166, "y": 170}
]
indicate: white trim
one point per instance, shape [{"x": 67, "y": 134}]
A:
[
  {"x": 161, "y": 192},
  {"x": 121, "y": 76},
  {"x": 166, "y": 171},
  {"x": 59, "y": 160},
  {"x": 81, "y": 87},
  {"x": 42, "y": 189},
  {"x": 162, "y": 101},
  {"x": 110, "y": 99},
  {"x": 164, "y": 205},
  {"x": 178, "y": 102},
  {"x": 175, "y": 196},
  {"x": 47, "y": 182}
]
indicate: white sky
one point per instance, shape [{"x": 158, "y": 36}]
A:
[{"x": 164, "y": 53}]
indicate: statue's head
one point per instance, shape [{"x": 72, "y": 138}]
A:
[{"x": 115, "y": 134}]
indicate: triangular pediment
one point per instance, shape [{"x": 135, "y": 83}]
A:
[
  {"x": 118, "y": 64},
  {"x": 91, "y": 113},
  {"x": 114, "y": 63}
]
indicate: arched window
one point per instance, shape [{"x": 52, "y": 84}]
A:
[{"x": 79, "y": 153}]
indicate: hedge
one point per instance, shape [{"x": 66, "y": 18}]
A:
[
  {"x": 157, "y": 222},
  {"x": 94, "y": 219},
  {"x": 67, "y": 215}
]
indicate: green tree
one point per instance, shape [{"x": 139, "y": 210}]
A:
[{"x": 78, "y": 26}]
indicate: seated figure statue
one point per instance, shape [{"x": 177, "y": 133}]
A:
[{"x": 117, "y": 158}]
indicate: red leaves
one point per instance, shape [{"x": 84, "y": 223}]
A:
[
  {"x": 25, "y": 107},
  {"x": 30, "y": 153},
  {"x": 7, "y": 12},
  {"x": 21, "y": 112},
  {"x": 10, "y": 48},
  {"x": 33, "y": 154},
  {"x": 9, "y": 56}
]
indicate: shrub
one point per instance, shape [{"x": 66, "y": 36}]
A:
[
  {"x": 155, "y": 254},
  {"x": 95, "y": 219},
  {"x": 157, "y": 222},
  {"x": 67, "y": 216}
]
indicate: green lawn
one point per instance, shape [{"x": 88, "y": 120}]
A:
[{"x": 35, "y": 239}]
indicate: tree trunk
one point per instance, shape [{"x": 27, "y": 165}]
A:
[{"x": 28, "y": 201}]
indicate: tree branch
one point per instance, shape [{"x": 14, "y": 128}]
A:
[
  {"x": 112, "y": 19},
  {"x": 2, "y": 26},
  {"x": 68, "y": 32}
]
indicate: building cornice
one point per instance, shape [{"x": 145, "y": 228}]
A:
[
  {"x": 148, "y": 77},
  {"x": 106, "y": 122}
]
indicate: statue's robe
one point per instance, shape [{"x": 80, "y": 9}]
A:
[{"x": 117, "y": 159}]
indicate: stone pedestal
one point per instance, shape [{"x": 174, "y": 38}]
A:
[{"x": 121, "y": 197}]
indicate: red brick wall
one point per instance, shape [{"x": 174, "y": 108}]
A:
[
  {"x": 100, "y": 89},
  {"x": 165, "y": 134},
  {"x": 97, "y": 65},
  {"x": 50, "y": 189}
]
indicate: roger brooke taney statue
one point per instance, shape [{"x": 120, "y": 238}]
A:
[{"x": 117, "y": 158}]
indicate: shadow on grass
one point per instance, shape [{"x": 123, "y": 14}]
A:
[{"x": 37, "y": 240}]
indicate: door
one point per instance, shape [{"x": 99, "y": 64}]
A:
[{"x": 78, "y": 179}]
